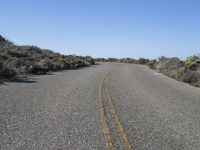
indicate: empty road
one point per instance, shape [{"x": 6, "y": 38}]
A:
[{"x": 106, "y": 106}]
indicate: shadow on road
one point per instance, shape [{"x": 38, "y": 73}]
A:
[
  {"x": 19, "y": 80},
  {"x": 32, "y": 78},
  {"x": 23, "y": 79}
]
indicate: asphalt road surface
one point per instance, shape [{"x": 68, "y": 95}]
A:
[{"x": 106, "y": 106}]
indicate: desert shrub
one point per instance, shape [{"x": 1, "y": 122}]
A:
[
  {"x": 167, "y": 64},
  {"x": 187, "y": 71},
  {"x": 75, "y": 64},
  {"x": 3, "y": 56},
  {"x": 2, "y": 39},
  {"x": 87, "y": 63},
  {"x": 7, "y": 72},
  {"x": 1, "y": 65},
  {"x": 15, "y": 53},
  {"x": 180, "y": 72},
  {"x": 11, "y": 63},
  {"x": 61, "y": 63},
  {"x": 152, "y": 64},
  {"x": 31, "y": 59},
  {"x": 46, "y": 63},
  {"x": 113, "y": 60},
  {"x": 143, "y": 61},
  {"x": 37, "y": 68},
  {"x": 163, "y": 59},
  {"x": 192, "y": 63},
  {"x": 174, "y": 63},
  {"x": 190, "y": 71},
  {"x": 89, "y": 60},
  {"x": 56, "y": 66},
  {"x": 191, "y": 76},
  {"x": 128, "y": 60},
  {"x": 192, "y": 59},
  {"x": 100, "y": 60},
  {"x": 81, "y": 63}
]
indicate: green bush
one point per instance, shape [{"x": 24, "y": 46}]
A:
[
  {"x": 181, "y": 72},
  {"x": 192, "y": 63}
]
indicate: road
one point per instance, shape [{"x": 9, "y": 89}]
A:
[{"x": 106, "y": 106}]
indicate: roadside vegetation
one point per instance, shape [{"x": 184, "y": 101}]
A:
[
  {"x": 23, "y": 60},
  {"x": 18, "y": 61},
  {"x": 186, "y": 71}
]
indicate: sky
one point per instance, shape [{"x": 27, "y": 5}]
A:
[{"x": 105, "y": 28}]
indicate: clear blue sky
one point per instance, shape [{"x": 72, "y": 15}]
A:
[{"x": 105, "y": 28}]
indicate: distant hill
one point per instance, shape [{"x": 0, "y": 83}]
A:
[{"x": 22, "y": 60}]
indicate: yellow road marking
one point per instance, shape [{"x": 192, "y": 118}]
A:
[
  {"x": 115, "y": 115},
  {"x": 104, "y": 120}
]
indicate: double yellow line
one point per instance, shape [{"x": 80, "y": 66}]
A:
[
  {"x": 104, "y": 119},
  {"x": 116, "y": 118}
]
